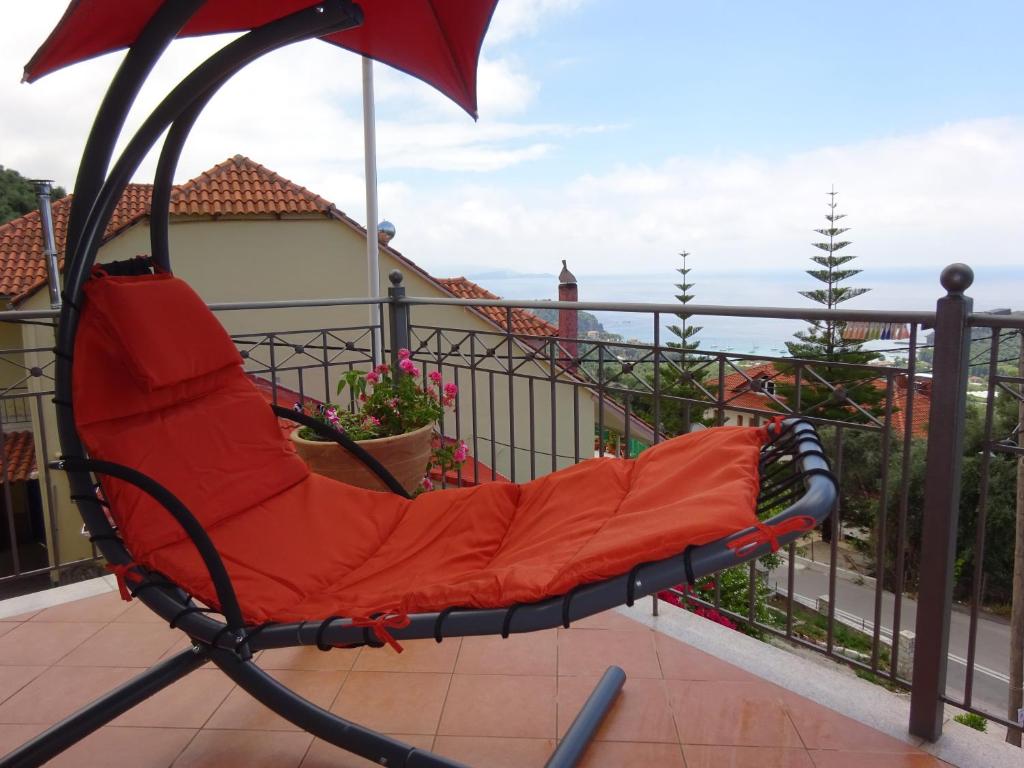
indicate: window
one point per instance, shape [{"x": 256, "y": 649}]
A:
[{"x": 739, "y": 421}]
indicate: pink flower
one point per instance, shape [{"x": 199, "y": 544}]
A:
[
  {"x": 407, "y": 365},
  {"x": 381, "y": 369},
  {"x": 393, "y": 402},
  {"x": 332, "y": 416},
  {"x": 427, "y": 484},
  {"x": 461, "y": 452},
  {"x": 435, "y": 376},
  {"x": 450, "y": 390},
  {"x": 404, "y": 354},
  {"x": 373, "y": 377}
]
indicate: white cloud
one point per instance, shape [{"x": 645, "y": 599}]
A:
[
  {"x": 924, "y": 200},
  {"x": 522, "y": 17}
]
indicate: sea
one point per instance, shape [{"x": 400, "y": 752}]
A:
[{"x": 892, "y": 289}]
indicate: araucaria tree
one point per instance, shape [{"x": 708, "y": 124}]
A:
[
  {"x": 683, "y": 376},
  {"x": 848, "y": 391}
]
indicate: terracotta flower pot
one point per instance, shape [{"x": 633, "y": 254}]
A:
[{"x": 405, "y": 456}]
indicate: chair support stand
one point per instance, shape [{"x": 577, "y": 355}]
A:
[
  {"x": 76, "y": 727},
  {"x": 583, "y": 729}
]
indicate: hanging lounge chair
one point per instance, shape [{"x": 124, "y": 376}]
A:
[{"x": 209, "y": 518}]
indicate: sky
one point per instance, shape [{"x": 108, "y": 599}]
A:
[{"x": 616, "y": 135}]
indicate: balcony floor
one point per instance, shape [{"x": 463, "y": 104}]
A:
[{"x": 483, "y": 701}]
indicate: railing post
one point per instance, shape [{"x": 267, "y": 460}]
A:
[
  {"x": 941, "y": 501},
  {"x": 398, "y": 316}
]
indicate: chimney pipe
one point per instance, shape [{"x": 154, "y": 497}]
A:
[
  {"x": 43, "y": 190},
  {"x": 568, "y": 319}
]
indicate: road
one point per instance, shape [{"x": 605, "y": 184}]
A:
[{"x": 856, "y": 603}]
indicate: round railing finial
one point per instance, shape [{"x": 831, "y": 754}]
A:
[
  {"x": 395, "y": 277},
  {"x": 957, "y": 278}
]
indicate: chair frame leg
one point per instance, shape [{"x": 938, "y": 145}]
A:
[
  {"x": 77, "y": 726},
  {"x": 583, "y": 729},
  {"x": 386, "y": 751}
]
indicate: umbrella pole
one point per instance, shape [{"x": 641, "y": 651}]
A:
[{"x": 372, "y": 243}]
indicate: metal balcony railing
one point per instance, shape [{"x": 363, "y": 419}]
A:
[{"x": 902, "y": 585}]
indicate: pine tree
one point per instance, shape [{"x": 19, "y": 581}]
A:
[
  {"x": 823, "y": 340},
  {"x": 687, "y": 371}
]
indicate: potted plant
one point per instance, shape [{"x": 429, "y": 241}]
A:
[{"x": 393, "y": 419}]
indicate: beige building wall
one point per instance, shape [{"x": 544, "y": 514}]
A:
[{"x": 247, "y": 260}]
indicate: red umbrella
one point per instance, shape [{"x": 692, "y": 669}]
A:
[{"x": 437, "y": 41}]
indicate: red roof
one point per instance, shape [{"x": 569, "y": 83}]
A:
[
  {"x": 738, "y": 394},
  {"x": 241, "y": 187},
  {"x": 523, "y": 322},
  {"x": 20, "y": 455},
  {"x": 22, "y": 267},
  {"x": 236, "y": 187}
]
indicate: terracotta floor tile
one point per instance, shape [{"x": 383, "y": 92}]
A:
[
  {"x": 591, "y": 653},
  {"x": 683, "y": 662},
  {"x": 13, "y": 679},
  {"x": 59, "y": 691},
  {"x": 13, "y": 736},
  {"x": 188, "y": 703},
  {"x": 640, "y": 713},
  {"x": 393, "y": 702},
  {"x": 252, "y": 749},
  {"x": 105, "y": 607},
  {"x": 309, "y": 657},
  {"x": 126, "y": 748},
  {"x": 123, "y": 645},
  {"x": 610, "y": 620},
  {"x": 729, "y": 713},
  {"x": 21, "y": 616},
  {"x": 822, "y": 728},
  {"x": 843, "y": 759},
  {"x": 700, "y": 756},
  {"x": 495, "y": 752},
  {"x": 240, "y": 711},
  {"x": 416, "y": 656},
  {"x": 533, "y": 653},
  {"x": 324, "y": 755},
  {"x": 625, "y": 754},
  {"x": 44, "y": 642},
  {"x": 138, "y": 612},
  {"x": 516, "y": 706}
]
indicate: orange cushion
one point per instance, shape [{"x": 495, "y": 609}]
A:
[
  {"x": 211, "y": 439},
  {"x": 321, "y": 548},
  {"x": 301, "y": 546},
  {"x": 143, "y": 316}
]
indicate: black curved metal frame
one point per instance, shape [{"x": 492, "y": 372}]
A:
[{"x": 230, "y": 643}]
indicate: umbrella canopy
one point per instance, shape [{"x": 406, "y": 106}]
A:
[{"x": 437, "y": 41}]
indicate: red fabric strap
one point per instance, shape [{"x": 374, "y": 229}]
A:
[
  {"x": 773, "y": 426},
  {"x": 769, "y": 534},
  {"x": 121, "y": 571},
  {"x": 381, "y": 624}
]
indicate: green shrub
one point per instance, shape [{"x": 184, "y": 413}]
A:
[{"x": 971, "y": 720}]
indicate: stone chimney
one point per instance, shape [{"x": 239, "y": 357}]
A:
[{"x": 568, "y": 319}]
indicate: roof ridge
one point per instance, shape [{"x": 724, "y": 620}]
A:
[{"x": 241, "y": 163}]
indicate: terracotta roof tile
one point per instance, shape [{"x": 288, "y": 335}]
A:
[
  {"x": 236, "y": 187},
  {"x": 523, "y": 322},
  {"x": 738, "y": 395},
  {"x": 241, "y": 187},
  {"x": 20, "y": 453},
  {"x": 22, "y": 267}
]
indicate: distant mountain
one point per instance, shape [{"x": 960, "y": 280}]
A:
[{"x": 587, "y": 321}]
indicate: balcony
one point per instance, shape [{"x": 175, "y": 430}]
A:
[{"x": 866, "y": 594}]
